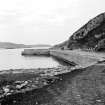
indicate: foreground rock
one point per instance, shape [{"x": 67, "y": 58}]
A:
[
  {"x": 44, "y": 52},
  {"x": 79, "y": 87},
  {"x": 23, "y": 80}
]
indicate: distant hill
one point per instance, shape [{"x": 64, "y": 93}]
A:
[
  {"x": 9, "y": 45},
  {"x": 91, "y": 35},
  {"x": 61, "y": 45}
]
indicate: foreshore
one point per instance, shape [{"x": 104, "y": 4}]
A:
[
  {"x": 77, "y": 87},
  {"x": 23, "y": 80},
  {"x": 62, "y": 85}
]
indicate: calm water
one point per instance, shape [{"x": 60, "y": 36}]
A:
[{"x": 12, "y": 59}]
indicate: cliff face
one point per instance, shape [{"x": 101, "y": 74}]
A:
[{"x": 91, "y": 35}]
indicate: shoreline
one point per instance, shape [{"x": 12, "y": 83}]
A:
[
  {"x": 23, "y": 80},
  {"x": 65, "y": 89},
  {"x": 43, "y": 86}
]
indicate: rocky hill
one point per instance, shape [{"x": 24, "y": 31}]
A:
[{"x": 91, "y": 35}]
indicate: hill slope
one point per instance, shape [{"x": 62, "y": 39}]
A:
[{"x": 91, "y": 35}]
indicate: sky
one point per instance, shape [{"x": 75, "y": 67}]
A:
[{"x": 45, "y": 21}]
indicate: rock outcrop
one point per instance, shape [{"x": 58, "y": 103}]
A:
[
  {"x": 91, "y": 35},
  {"x": 101, "y": 45}
]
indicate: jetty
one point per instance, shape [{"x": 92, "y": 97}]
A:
[{"x": 77, "y": 57}]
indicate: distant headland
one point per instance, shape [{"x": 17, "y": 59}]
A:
[{"x": 10, "y": 45}]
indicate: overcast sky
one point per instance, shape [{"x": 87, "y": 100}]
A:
[{"x": 44, "y": 21}]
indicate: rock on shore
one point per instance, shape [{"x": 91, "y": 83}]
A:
[
  {"x": 23, "y": 80},
  {"x": 79, "y": 87}
]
